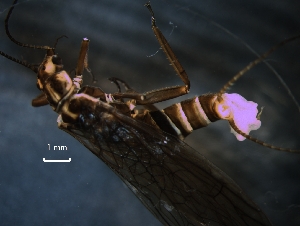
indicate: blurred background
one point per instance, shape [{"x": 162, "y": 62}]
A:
[{"x": 85, "y": 191}]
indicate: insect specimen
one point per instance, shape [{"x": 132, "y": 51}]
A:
[{"x": 171, "y": 142}]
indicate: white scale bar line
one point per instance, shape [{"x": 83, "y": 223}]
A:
[{"x": 44, "y": 160}]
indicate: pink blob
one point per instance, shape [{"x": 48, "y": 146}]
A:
[{"x": 243, "y": 112}]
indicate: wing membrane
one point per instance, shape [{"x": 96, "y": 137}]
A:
[{"x": 176, "y": 183}]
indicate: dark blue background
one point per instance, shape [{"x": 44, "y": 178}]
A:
[{"x": 85, "y": 191}]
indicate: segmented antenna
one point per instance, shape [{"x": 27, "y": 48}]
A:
[
  {"x": 30, "y": 66},
  {"x": 240, "y": 74},
  {"x": 232, "y": 124},
  {"x": 254, "y": 63},
  {"x": 56, "y": 41},
  {"x": 219, "y": 26},
  {"x": 12, "y": 38}
]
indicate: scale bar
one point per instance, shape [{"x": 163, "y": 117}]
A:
[{"x": 44, "y": 160}]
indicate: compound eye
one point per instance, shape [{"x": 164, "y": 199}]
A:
[{"x": 56, "y": 60}]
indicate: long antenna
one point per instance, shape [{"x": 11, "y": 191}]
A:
[
  {"x": 30, "y": 66},
  {"x": 241, "y": 73},
  {"x": 233, "y": 126},
  {"x": 12, "y": 38},
  {"x": 254, "y": 63}
]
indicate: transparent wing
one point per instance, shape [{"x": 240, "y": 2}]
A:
[{"x": 175, "y": 182}]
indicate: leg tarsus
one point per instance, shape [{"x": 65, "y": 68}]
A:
[{"x": 128, "y": 89}]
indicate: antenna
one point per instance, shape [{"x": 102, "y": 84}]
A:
[
  {"x": 50, "y": 50},
  {"x": 240, "y": 74}
]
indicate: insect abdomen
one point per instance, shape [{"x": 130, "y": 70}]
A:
[{"x": 186, "y": 116}]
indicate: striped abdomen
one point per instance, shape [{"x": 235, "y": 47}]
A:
[{"x": 182, "y": 118}]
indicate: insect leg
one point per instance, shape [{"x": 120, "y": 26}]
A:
[
  {"x": 163, "y": 94},
  {"x": 154, "y": 96},
  {"x": 115, "y": 81},
  {"x": 82, "y": 56},
  {"x": 82, "y": 62},
  {"x": 167, "y": 50},
  {"x": 128, "y": 89},
  {"x": 40, "y": 100},
  {"x": 158, "y": 95}
]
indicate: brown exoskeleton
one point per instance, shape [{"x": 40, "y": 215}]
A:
[{"x": 177, "y": 184}]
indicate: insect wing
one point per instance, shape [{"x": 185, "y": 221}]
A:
[{"x": 175, "y": 182}]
